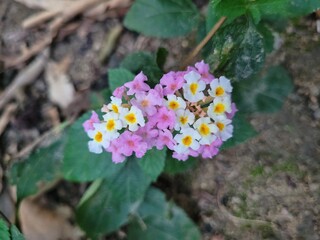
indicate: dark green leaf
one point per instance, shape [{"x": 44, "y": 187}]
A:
[
  {"x": 242, "y": 131},
  {"x": 15, "y": 233},
  {"x": 42, "y": 166},
  {"x": 302, "y": 7},
  {"x": 263, "y": 93},
  {"x": 4, "y": 230},
  {"x": 162, "y": 18},
  {"x": 238, "y": 50},
  {"x": 81, "y": 165},
  {"x": 162, "y": 220},
  {"x": 118, "y": 77},
  {"x": 161, "y": 57},
  {"x": 108, "y": 207},
  {"x": 143, "y": 61},
  {"x": 268, "y": 39},
  {"x": 174, "y": 166},
  {"x": 152, "y": 163}
]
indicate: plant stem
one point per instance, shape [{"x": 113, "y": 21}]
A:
[{"x": 198, "y": 48}]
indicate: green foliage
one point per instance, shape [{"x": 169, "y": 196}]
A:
[
  {"x": 263, "y": 93},
  {"x": 238, "y": 50},
  {"x": 152, "y": 163},
  {"x": 42, "y": 166},
  {"x": 118, "y": 77},
  {"x": 11, "y": 233},
  {"x": 78, "y": 163},
  {"x": 174, "y": 166},
  {"x": 161, "y": 57},
  {"x": 143, "y": 61},
  {"x": 108, "y": 207},
  {"x": 162, "y": 18},
  {"x": 242, "y": 131},
  {"x": 260, "y": 8},
  {"x": 162, "y": 220}
]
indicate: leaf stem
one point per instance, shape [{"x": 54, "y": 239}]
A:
[{"x": 198, "y": 48}]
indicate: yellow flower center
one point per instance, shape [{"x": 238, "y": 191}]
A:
[
  {"x": 183, "y": 120},
  {"x": 193, "y": 88},
  {"x": 98, "y": 137},
  {"x": 187, "y": 140},
  {"x": 219, "y": 108},
  {"x": 110, "y": 125},
  {"x": 131, "y": 118},
  {"x": 204, "y": 129},
  {"x": 115, "y": 108},
  {"x": 220, "y": 125},
  {"x": 174, "y": 105},
  {"x": 219, "y": 91}
]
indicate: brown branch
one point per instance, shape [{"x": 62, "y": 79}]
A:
[
  {"x": 25, "y": 77},
  {"x": 196, "y": 51},
  {"x": 38, "y": 18},
  {"x": 6, "y": 115}
]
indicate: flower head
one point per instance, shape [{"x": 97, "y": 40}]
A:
[
  {"x": 100, "y": 139},
  {"x": 132, "y": 118},
  {"x": 137, "y": 84},
  {"x": 88, "y": 124},
  {"x": 220, "y": 87},
  {"x": 193, "y": 88},
  {"x": 172, "y": 82}
]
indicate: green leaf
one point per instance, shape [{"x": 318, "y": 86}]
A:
[
  {"x": 302, "y": 7},
  {"x": 81, "y": 165},
  {"x": 242, "y": 131},
  {"x": 161, "y": 57},
  {"x": 11, "y": 233},
  {"x": 117, "y": 196},
  {"x": 152, "y": 163},
  {"x": 263, "y": 93},
  {"x": 119, "y": 76},
  {"x": 15, "y": 233},
  {"x": 268, "y": 39},
  {"x": 143, "y": 61},
  {"x": 42, "y": 166},
  {"x": 238, "y": 50},
  {"x": 161, "y": 219},
  {"x": 162, "y": 18},
  {"x": 174, "y": 166},
  {"x": 4, "y": 230}
]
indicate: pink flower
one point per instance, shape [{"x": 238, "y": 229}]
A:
[
  {"x": 203, "y": 70},
  {"x": 88, "y": 124},
  {"x": 159, "y": 89},
  {"x": 148, "y": 134},
  {"x": 115, "y": 149},
  {"x": 137, "y": 84},
  {"x": 146, "y": 102},
  {"x": 119, "y": 91},
  {"x": 172, "y": 82},
  {"x": 132, "y": 143},
  {"x": 233, "y": 111},
  {"x": 164, "y": 139},
  {"x": 164, "y": 118},
  {"x": 209, "y": 151},
  {"x": 180, "y": 157}
]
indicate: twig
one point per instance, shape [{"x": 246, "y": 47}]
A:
[
  {"x": 110, "y": 42},
  {"x": 24, "y": 78},
  {"x": 38, "y": 18},
  {"x": 195, "y": 52},
  {"x": 54, "y": 131},
  {"x": 5, "y": 118}
]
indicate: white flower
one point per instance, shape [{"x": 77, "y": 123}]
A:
[
  {"x": 206, "y": 129},
  {"x": 115, "y": 105},
  {"x": 112, "y": 124},
  {"x": 224, "y": 126},
  {"x": 219, "y": 107},
  {"x": 174, "y": 103},
  {"x": 187, "y": 139},
  {"x": 192, "y": 89},
  {"x": 132, "y": 118},
  {"x": 220, "y": 87},
  {"x": 99, "y": 138},
  {"x": 184, "y": 118}
]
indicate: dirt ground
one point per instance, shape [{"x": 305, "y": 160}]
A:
[{"x": 265, "y": 188}]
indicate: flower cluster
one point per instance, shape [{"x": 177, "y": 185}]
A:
[{"x": 189, "y": 112}]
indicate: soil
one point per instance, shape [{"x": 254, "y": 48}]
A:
[{"x": 265, "y": 188}]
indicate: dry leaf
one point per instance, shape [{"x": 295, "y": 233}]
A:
[
  {"x": 39, "y": 222},
  {"x": 61, "y": 90}
]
